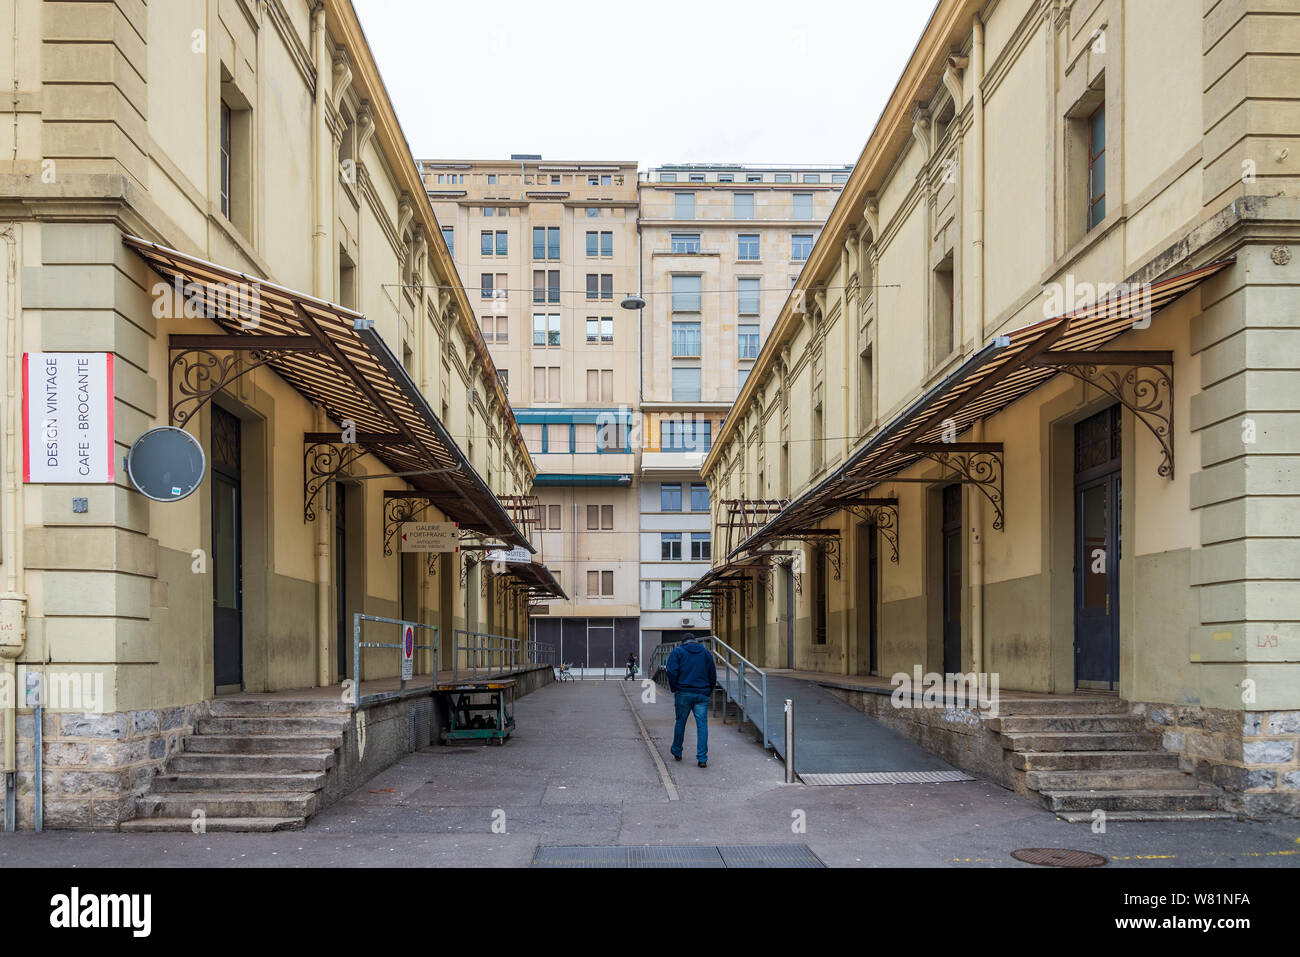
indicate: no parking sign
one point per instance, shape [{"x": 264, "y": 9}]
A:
[{"x": 408, "y": 651}]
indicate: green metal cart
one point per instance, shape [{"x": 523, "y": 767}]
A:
[{"x": 482, "y": 709}]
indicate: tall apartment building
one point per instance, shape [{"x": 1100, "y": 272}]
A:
[
  {"x": 721, "y": 246},
  {"x": 549, "y": 249}
]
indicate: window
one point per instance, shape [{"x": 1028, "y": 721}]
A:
[
  {"x": 553, "y": 517},
  {"x": 485, "y": 243},
  {"x": 449, "y": 237},
  {"x": 686, "y": 436},
  {"x": 593, "y": 243},
  {"x": 593, "y": 212},
  {"x": 782, "y": 178},
  {"x": 685, "y": 243},
  {"x": 812, "y": 177},
  {"x": 600, "y": 386},
  {"x": 701, "y": 547},
  {"x": 747, "y": 341},
  {"x": 667, "y": 177},
  {"x": 489, "y": 211},
  {"x": 593, "y": 329},
  {"x": 942, "y": 319},
  {"x": 670, "y": 498},
  {"x": 1097, "y": 166},
  {"x": 671, "y": 593},
  {"x": 593, "y": 286},
  {"x": 600, "y": 518},
  {"x": 593, "y": 180},
  {"x": 607, "y": 244},
  {"x": 699, "y": 497},
  {"x": 546, "y": 386},
  {"x": 687, "y": 293},
  {"x": 600, "y": 329},
  {"x": 485, "y": 286},
  {"x": 496, "y": 328},
  {"x": 801, "y": 245},
  {"x": 753, "y": 177},
  {"x": 558, "y": 438},
  {"x": 742, "y": 376},
  {"x": 866, "y": 397},
  {"x": 726, "y": 178},
  {"x": 555, "y": 179},
  {"x": 747, "y": 296},
  {"x": 747, "y": 246},
  {"x": 683, "y": 205},
  {"x": 839, "y": 177},
  {"x": 607, "y": 285},
  {"x": 670, "y": 546},
  {"x": 803, "y": 206},
  {"x": 492, "y": 179},
  {"x": 686, "y": 385},
  {"x": 686, "y": 340},
  {"x": 697, "y": 177},
  {"x": 546, "y": 285},
  {"x": 818, "y": 438},
  {"x": 546, "y": 242},
  {"x": 546, "y": 329},
  {"x": 225, "y": 148},
  {"x": 600, "y": 584},
  {"x": 503, "y": 242},
  {"x": 742, "y": 206},
  {"x": 504, "y": 376}
]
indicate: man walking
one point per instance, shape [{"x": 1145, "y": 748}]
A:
[{"x": 692, "y": 677}]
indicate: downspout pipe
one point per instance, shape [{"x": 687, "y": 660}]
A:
[
  {"x": 977, "y": 301},
  {"x": 323, "y": 286},
  {"x": 13, "y": 600}
]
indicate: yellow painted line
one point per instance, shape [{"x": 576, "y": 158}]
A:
[
  {"x": 1223, "y": 636},
  {"x": 1195, "y": 657}
]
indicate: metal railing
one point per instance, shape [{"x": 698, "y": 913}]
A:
[
  {"x": 483, "y": 654},
  {"x": 740, "y": 679},
  {"x": 358, "y": 699},
  {"x": 540, "y": 653}
]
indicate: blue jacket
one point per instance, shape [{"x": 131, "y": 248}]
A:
[{"x": 690, "y": 668}]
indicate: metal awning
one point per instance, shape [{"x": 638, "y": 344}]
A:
[
  {"x": 536, "y": 580},
  {"x": 729, "y": 576},
  {"x": 1005, "y": 370},
  {"x": 334, "y": 358}
]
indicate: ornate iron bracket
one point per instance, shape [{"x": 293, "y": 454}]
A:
[
  {"x": 398, "y": 509},
  {"x": 881, "y": 513},
  {"x": 978, "y": 464},
  {"x": 203, "y": 365},
  {"x": 826, "y": 539},
  {"x": 322, "y": 463},
  {"x": 1140, "y": 380}
]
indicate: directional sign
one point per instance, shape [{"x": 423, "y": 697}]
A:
[
  {"x": 430, "y": 537},
  {"x": 408, "y": 651},
  {"x": 516, "y": 555}
]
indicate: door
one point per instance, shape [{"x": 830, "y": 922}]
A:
[
  {"x": 789, "y": 616},
  {"x": 227, "y": 555},
  {"x": 1097, "y": 551},
  {"x": 343, "y": 623},
  {"x": 873, "y": 596},
  {"x": 952, "y": 548}
]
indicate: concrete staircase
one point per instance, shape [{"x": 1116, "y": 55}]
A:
[
  {"x": 1083, "y": 754},
  {"x": 252, "y": 765}
]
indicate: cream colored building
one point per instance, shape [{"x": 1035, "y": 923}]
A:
[
  {"x": 201, "y": 145},
  {"x": 548, "y": 251},
  {"x": 962, "y": 480},
  {"x": 721, "y": 246}
]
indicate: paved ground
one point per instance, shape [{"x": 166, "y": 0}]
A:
[{"x": 596, "y": 783}]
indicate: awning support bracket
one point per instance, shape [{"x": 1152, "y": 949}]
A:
[
  {"x": 201, "y": 366},
  {"x": 322, "y": 463},
  {"x": 978, "y": 463},
  {"x": 1140, "y": 380},
  {"x": 882, "y": 513},
  {"x": 401, "y": 508},
  {"x": 827, "y": 539}
]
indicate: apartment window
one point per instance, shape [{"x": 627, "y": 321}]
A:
[
  {"x": 742, "y": 376},
  {"x": 803, "y": 206},
  {"x": 683, "y": 205},
  {"x": 600, "y": 584},
  {"x": 492, "y": 179},
  {"x": 812, "y": 177},
  {"x": 593, "y": 329},
  {"x": 502, "y": 242},
  {"x": 558, "y": 437},
  {"x": 753, "y": 177},
  {"x": 546, "y": 385},
  {"x": 600, "y": 329},
  {"x": 532, "y": 433},
  {"x": 742, "y": 206},
  {"x": 546, "y": 329},
  {"x": 781, "y": 178},
  {"x": 667, "y": 177},
  {"x": 546, "y": 242},
  {"x": 593, "y": 180},
  {"x": 747, "y": 296},
  {"x": 606, "y": 285},
  {"x": 600, "y": 386},
  {"x": 553, "y": 513},
  {"x": 489, "y": 211},
  {"x": 701, "y": 547},
  {"x": 607, "y": 244},
  {"x": 600, "y": 244},
  {"x": 685, "y": 243},
  {"x": 671, "y": 593},
  {"x": 699, "y": 497},
  {"x": 600, "y": 517},
  {"x": 485, "y": 286},
  {"x": 801, "y": 245},
  {"x": 747, "y": 341},
  {"x": 546, "y": 285},
  {"x": 555, "y": 179},
  {"x": 485, "y": 242},
  {"x": 686, "y": 436},
  {"x": 818, "y": 437},
  {"x": 686, "y": 385},
  {"x": 747, "y": 246},
  {"x": 670, "y": 546},
  {"x": 504, "y": 376},
  {"x": 1097, "y": 166},
  {"x": 942, "y": 315},
  {"x": 449, "y": 237},
  {"x": 865, "y": 391},
  {"x": 686, "y": 340},
  {"x": 496, "y": 328},
  {"x": 593, "y": 212},
  {"x": 726, "y": 178},
  {"x": 670, "y": 498},
  {"x": 839, "y": 177},
  {"x": 225, "y": 158},
  {"x": 687, "y": 293}
]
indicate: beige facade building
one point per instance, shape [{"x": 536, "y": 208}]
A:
[
  {"x": 966, "y": 447},
  {"x": 721, "y": 246},
  {"x": 548, "y": 251},
  {"x": 218, "y": 198}
]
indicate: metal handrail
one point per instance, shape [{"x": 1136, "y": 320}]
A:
[
  {"x": 485, "y": 653},
  {"x": 540, "y": 652},
  {"x": 358, "y": 699}
]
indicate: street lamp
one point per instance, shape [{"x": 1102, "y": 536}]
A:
[{"x": 633, "y": 301}]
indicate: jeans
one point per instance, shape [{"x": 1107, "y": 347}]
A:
[{"x": 686, "y": 702}]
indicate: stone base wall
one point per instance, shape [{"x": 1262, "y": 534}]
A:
[
  {"x": 95, "y": 765},
  {"x": 1254, "y": 756}
]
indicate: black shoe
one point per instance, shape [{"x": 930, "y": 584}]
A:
[
  {"x": 704, "y": 764},
  {"x": 677, "y": 757}
]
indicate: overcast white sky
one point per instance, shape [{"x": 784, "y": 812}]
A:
[{"x": 745, "y": 81}]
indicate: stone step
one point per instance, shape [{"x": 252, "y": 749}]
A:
[
  {"x": 1111, "y": 780},
  {"x": 1143, "y": 799},
  {"x": 239, "y": 781},
  {"x": 1113, "y": 817},
  {"x": 204, "y": 762},
  {"x": 1031, "y": 706},
  {"x": 249, "y": 707},
  {"x": 214, "y": 824},
  {"x": 1089, "y": 723},
  {"x": 277, "y": 724},
  {"x": 1092, "y": 760},
  {"x": 260, "y": 743},
  {"x": 227, "y": 804},
  {"x": 1080, "y": 741}
]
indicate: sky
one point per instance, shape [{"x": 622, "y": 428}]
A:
[{"x": 744, "y": 81}]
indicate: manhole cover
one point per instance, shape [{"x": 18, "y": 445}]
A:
[{"x": 1058, "y": 857}]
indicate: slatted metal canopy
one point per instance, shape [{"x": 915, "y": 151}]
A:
[
  {"x": 1005, "y": 370},
  {"x": 536, "y": 580},
  {"x": 334, "y": 358}
]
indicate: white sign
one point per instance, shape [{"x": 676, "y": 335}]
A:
[
  {"x": 408, "y": 651},
  {"x": 516, "y": 555},
  {"x": 68, "y": 417},
  {"x": 430, "y": 537}
]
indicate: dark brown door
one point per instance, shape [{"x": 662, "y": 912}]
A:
[
  {"x": 227, "y": 555},
  {"x": 1097, "y": 550},
  {"x": 343, "y": 621},
  {"x": 952, "y": 542}
]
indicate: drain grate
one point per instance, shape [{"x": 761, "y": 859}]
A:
[
  {"x": 1058, "y": 857},
  {"x": 886, "y": 777},
  {"x": 683, "y": 855}
]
